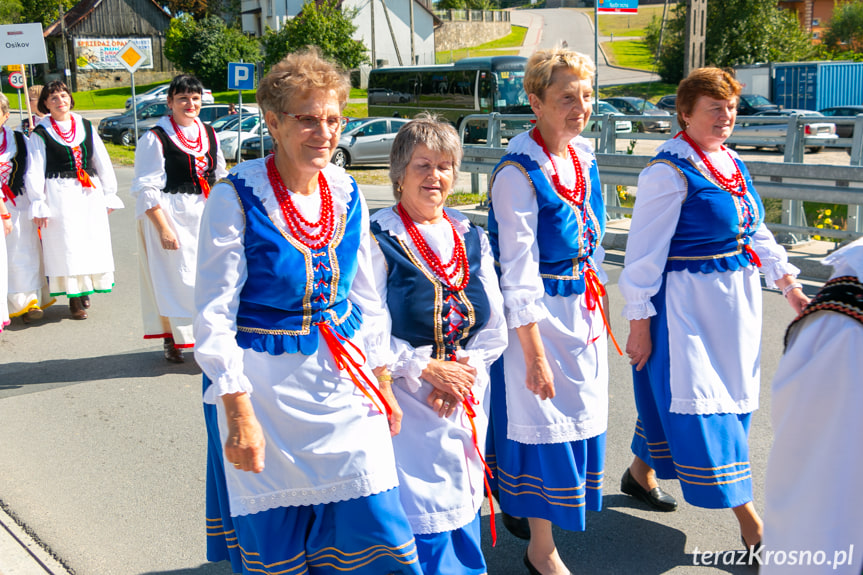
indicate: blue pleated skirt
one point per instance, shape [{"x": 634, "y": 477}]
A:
[
  {"x": 708, "y": 454},
  {"x": 456, "y": 552},
  {"x": 366, "y": 536},
  {"x": 553, "y": 481}
]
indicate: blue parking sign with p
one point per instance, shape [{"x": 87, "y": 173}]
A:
[{"x": 241, "y": 76}]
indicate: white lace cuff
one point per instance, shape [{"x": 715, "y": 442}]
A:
[
  {"x": 147, "y": 199},
  {"x": 227, "y": 383},
  {"x": 641, "y": 310},
  {"x": 39, "y": 209},
  {"x": 378, "y": 353},
  {"x": 527, "y": 314},
  {"x": 113, "y": 202},
  {"x": 410, "y": 367},
  {"x": 778, "y": 270}
]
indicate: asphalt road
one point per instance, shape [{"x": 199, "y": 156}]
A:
[{"x": 104, "y": 447}]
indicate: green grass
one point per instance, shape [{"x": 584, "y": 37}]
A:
[
  {"x": 494, "y": 48},
  {"x": 628, "y": 24},
  {"x": 464, "y": 199},
  {"x": 630, "y": 54},
  {"x": 653, "y": 91},
  {"x": 121, "y": 155}
]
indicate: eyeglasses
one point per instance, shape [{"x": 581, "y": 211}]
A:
[{"x": 310, "y": 122}]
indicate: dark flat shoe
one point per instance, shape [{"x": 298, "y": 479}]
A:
[
  {"x": 172, "y": 354},
  {"x": 85, "y": 301},
  {"x": 77, "y": 309},
  {"x": 518, "y": 526},
  {"x": 655, "y": 498},
  {"x": 530, "y": 568}
]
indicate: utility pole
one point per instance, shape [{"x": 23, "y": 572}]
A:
[
  {"x": 696, "y": 26},
  {"x": 413, "y": 50},
  {"x": 372, "y": 6},
  {"x": 66, "y": 72}
]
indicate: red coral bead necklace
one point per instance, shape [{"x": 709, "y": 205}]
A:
[
  {"x": 459, "y": 257},
  {"x": 301, "y": 228},
  {"x": 193, "y": 145},
  {"x": 68, "y": 136},
  {"x": 735, "y": 184},
  {"x": 576, "y": 194}
]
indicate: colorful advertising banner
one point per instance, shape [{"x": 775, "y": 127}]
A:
[
  {"x": 617, "y": 6},
  {"x": 101, "y": 53}
]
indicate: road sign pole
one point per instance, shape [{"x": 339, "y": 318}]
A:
[
  {"x": 134, "y": 108},
  {"x": 20, "y": 109},
  {"x": 239, "y": 125}
]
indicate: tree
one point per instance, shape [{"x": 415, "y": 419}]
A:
[
  {"x": 10, "y": 12},
  {"x": 205, "y": 47},
  {"x": 43, "y": 12},
  {"x": 845, "y": 29},
  {"x": 324, "y": 26},
  {"x": 766, "y": 33}
]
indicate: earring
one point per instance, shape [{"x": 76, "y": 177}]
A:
[{"x": 399, "y": 189}]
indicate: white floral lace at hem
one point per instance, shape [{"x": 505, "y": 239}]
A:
[
  {"x": 342, "y": 491},
  {"x": 442, "y": 521},
  {"x": 555, "y": 433}
]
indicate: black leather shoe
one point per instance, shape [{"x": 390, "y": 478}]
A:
[
  {"x": 85, "y": 301},
  {"x": 655, "y": 498},
  {"x": 518, "y": 526},
  {"x": 172, "y": 354}
]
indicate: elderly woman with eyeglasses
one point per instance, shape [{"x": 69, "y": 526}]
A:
[{"x": 301, "y": 470}]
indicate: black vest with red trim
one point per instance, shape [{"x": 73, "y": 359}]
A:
[
  {"x": 59, "y": 159},
  {"x": 19, "y": 165},
  {"x": 842, "y": 294},
  {"x": 180, "y": 173}
]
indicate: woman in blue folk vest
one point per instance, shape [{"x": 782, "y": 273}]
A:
[
  {"x": 72, "y": 189},
  {"x": 693, "y": 301},
  {"x": 27, "y": 289},
  {"x": 301, "y": 472},
  {"x": 550, "y": 396},
  {"x": 176, "y": 164},
  {"x": 435, "y": 271}
]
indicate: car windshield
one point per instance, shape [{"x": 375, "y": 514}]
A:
[
  {"x": 606, "y": 108},
  {"x": 756, "y": 100},
  {"x": 354, "y": 124},
  {"x": 645, "y": 105}
]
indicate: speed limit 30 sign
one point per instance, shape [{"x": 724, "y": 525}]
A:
[{"x": 16, "y": 80}]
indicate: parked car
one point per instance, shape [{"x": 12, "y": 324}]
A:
[
  {"x": 251, "y": 148},
  {"x": 751, "y": 104},
  {"x": 161, "y": 93},
  {"x": 603, "y": 107},
  {"x": 120, "y": 129},
  {"x": 213, "y": 112},
  {"x": 641, "y": 107},
  {"x": 668, "y": 103},
  {"x": 250, "y": 128},
  {"x": 824, "y": 131},
  {"x": 367, "y": 141},
  {"x": 843, "y": 130}
]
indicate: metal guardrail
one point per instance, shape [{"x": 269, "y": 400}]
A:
[{"x": 792, "y": 181}]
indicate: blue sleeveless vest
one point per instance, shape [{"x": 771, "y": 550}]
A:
[
  {"x": 290, "y": 288},
  {"x": 567, "y": 235},
  {"x": 714, "y": 225},
  {"x": 424, "y": 311}
]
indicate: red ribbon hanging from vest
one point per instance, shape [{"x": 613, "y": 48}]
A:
[
  {"x": 200, "y": 170},
  {"x": 345, "y": 361},
  {"x": 594, "y": 292},
  {"x": 5, "y": 174},
  {"x": 83, "y": 176},
  {"x": 468, "y": 402}
]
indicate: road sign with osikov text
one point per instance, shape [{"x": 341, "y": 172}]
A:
[
  {"x": 22, "y": 44},
  {"x": 130, "y": 57},
  {"x": 241, "y": 76},
  {"x": 617, "y": 6}
]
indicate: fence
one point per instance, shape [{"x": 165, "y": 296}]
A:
[
  {"x": 472, "y": 15},
  {"x": 791, "y": 181}
]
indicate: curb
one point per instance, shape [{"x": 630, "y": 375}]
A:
[{"x": 20, "y": 554}]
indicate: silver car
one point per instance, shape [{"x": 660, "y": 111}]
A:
[
  {"x": 641, "y": 107},
  {"x": 751, "y": 128},
  {"x": 367, "y": 141}
]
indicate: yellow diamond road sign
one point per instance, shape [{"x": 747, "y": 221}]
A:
[{"x": 130, "y": 57}]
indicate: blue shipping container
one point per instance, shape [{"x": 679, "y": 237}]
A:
[{"x": 817, "y": 85}]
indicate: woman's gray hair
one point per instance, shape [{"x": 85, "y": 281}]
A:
[
  {"x": 430, "y": 130},
  {"x": 4, "y": 104}
]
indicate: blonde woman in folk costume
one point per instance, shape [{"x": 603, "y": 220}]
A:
[
  {"x": 176, "y": 163},
  {"x": 301, "y": 471},
  {"x": 549, "y": 397},
  {"x": 72, "y": 189}
]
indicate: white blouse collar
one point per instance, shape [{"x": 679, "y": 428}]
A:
[
  {"x": 680, "y": 148},
  {"x": 390, "y": 221},
  {"x": 525, "y": 144},
  {"x": 254, "y": 172}
]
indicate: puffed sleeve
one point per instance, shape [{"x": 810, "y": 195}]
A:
[
  {"x": 774, "y": 258},
  {"x": 222, "y": 272},
  {"x": 365, "y": 293},
  {"x": 105, "y": 169},
  {"x": 34, "y": 179},
  {"x": 488, "y": 344},
  {"x": 660, "y": 196},
  {"x": 515, "y": 210},
  {"x": 150, "y": 177},
  {"x": 221, "y": 166}
]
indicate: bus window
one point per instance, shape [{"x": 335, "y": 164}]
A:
[{"x": 511, "y": 97}]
